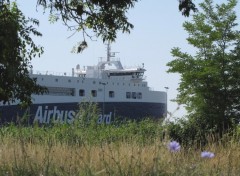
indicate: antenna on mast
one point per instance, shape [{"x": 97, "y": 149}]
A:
[{"x": 108, "y": 51}]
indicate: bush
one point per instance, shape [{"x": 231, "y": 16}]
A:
[{"x": 189, "y": 132}]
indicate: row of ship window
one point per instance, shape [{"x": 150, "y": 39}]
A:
[
  {"x": 133, "y": 95},
  {"x": 60, "y": 91},
  {"x": 94, "y": 82}
]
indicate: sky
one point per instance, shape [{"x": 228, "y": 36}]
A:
[{"x": 157, "y": 29}]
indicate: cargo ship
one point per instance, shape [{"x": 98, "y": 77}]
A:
[{"x": 118, "y": 92}]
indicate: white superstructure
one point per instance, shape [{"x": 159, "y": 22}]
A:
[{"x": 92, "y": 82}]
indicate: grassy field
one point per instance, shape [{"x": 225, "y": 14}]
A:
[{"x": 128, "y": 149}]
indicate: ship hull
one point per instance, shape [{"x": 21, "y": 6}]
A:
[{"x": 66, "y": 112}]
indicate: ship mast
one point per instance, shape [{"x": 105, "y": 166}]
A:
[{"x": 108, "y": 51}]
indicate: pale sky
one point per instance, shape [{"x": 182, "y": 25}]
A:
[{"x": 157, "y": 29}]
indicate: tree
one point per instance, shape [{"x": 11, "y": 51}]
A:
[
  {"x": 16, "y": 51},
  {"x": 210, "y": 79},
  {"x": 104, "y": 17}
]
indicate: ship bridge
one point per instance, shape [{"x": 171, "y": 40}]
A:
[{"x": 111, "y": 69}]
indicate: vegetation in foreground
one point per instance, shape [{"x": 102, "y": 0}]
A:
[{"x": 131, "y": 148}]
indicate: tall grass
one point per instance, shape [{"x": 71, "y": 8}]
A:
[{"x": 127, "y": 149}]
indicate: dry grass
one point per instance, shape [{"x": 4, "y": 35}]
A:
[{"x": 121, "y": 158}]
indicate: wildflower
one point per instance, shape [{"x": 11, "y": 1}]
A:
[
  {"x": 174, "y": 146},
  {"x": 206, "y": 154}
]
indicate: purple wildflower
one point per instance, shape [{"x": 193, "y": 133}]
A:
[
  {"x": 174, "y": 146},
  {"x": 206, "y": 154}
]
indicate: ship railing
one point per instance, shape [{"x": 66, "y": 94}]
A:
[
  {"x": 51, "y": 73},
  {"x": 133, "y": 67}
]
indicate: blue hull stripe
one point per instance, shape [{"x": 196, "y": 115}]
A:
[{"x": 47, "y": 112}]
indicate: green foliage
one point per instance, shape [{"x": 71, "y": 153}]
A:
[
  {"x": 91, "y": 133},
  {"x": 87, "y": 115},
  {"x": 190, "y": 132},
  {"x": 103, "y": 18},
  {"x": 129, "y": 149},
  {"x": 210, "y": 79},
  {"x": 186, "y": 6},
  {"x": 16, "y": 51}
]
